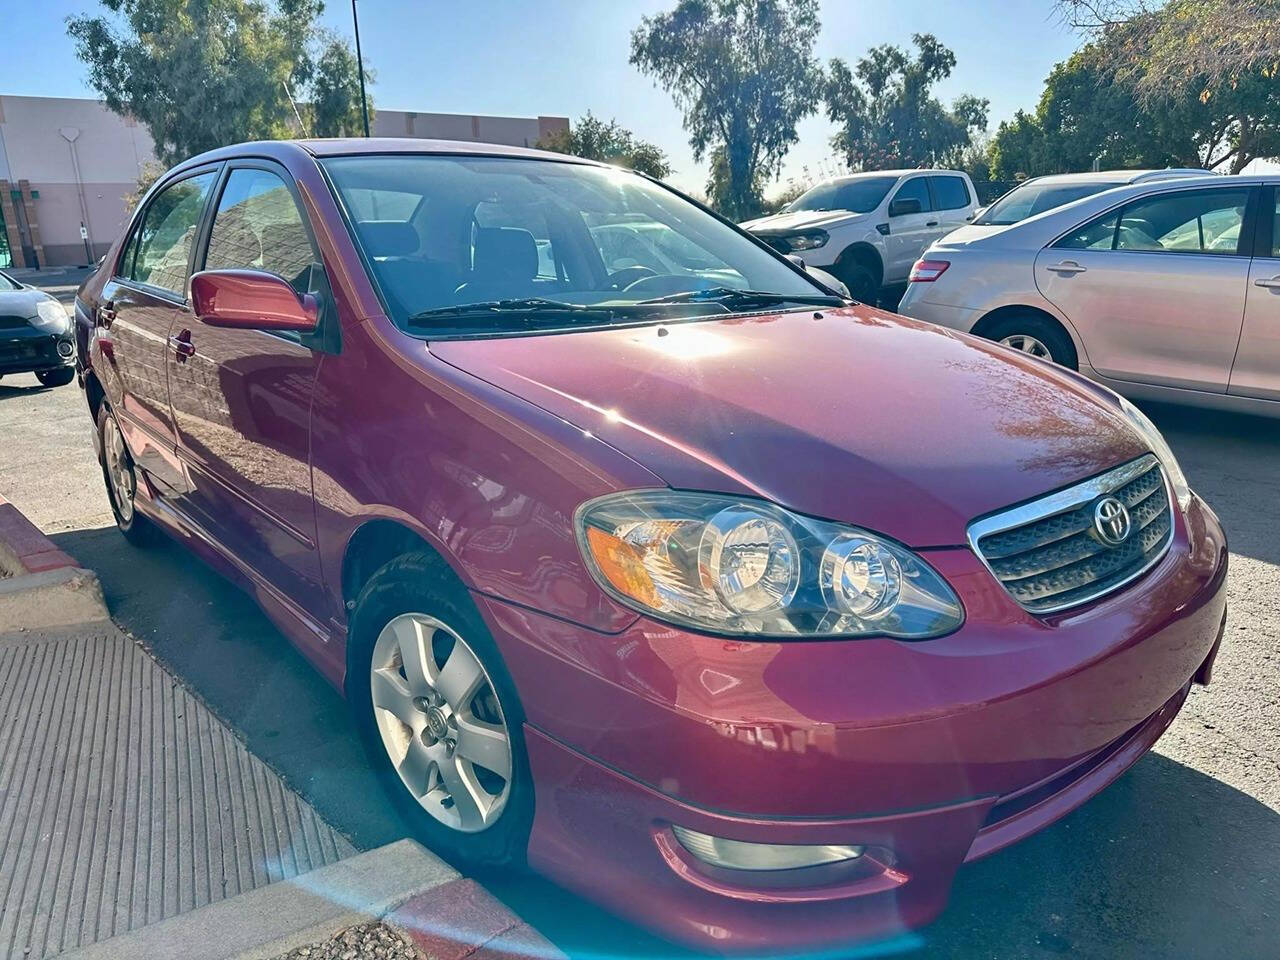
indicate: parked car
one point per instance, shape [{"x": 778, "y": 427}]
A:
[
  {"x": 744, "y": 611},
  {"x": 35, "y": 334},
  {"x": 867, "y": 229},
  {"x": 1045, "y": 193},
  {"x": 1166, "y": 290}
]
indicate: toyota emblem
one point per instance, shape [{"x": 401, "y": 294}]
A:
[{"x": 1111, "y": 521}]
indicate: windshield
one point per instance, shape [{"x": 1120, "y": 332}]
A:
[
  {"x": 481, "y": 243},
  {"x": 1035, "y": 197},
  {"x": 860, "y": 195},
  {"x": 7, "y": 284}
]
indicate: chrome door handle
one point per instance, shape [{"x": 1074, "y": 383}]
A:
[
  {"x": 1067, "y": 266},
  {"x": 1272, "y": 284},
  {"x": 182, "y": 346}
]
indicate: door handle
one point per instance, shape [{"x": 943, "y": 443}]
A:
[
  {"x": 182, "y": 346},
  {"x": 1067, "y": 266},
  {"x": 1272, "y": 284},
  {"x": 931, "y": 223},
  {"x": 107, "y": 313}
]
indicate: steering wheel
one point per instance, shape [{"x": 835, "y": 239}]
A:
[
  {"x": 662, "y": 284},
  {"x": 622, "y": 278}
]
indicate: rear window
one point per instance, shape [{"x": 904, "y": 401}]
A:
[
  {"x": 1033, "y": 198},
  {"x": 950, "y": 193}
]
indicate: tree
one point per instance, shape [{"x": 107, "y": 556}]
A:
[
  {"x": 744, "y": 74},
  {"x": 886, "y": 116},
  {"x": 1092, "y": 110},
  {"x": 200, "y": 74},
  {"x": 608, "y": 142},
  {"x": 1216, "y": 43}
]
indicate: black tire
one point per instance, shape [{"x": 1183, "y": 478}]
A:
[
  {"x": 137, "y": 529},
  {"x": 860, "y": 281},
  {"x": 56, "y": 378},
  {"x": 423, "y": 583},
  {"x": 1040, "y": 328}
]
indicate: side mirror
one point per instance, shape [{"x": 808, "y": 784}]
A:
[
  {"x": 796, "y": 259},
  {"x": 904, "y": 205},
  {"x": 251, "y": 300}
]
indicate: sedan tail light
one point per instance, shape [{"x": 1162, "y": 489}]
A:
[{"x": 927, "y": 271}]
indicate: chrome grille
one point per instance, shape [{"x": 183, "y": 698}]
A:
[{"x": 1048, "y": 553}]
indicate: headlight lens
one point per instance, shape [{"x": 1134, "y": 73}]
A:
[
  {"x": 740, "y": 566},
  {"x": 51, "y": 317},
  {"x": 1151, "y": 433},
  {"x": 808, "y": 241}
]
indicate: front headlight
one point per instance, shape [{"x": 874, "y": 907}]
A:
[
  {"x": 51, "y": 317},
  {"x": 1151, "y": 433},
  {"x": 741, "y": 566},
  {"x": 808, "y": 241}
]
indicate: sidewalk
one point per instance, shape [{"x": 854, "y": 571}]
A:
[{"x": 135, "y": 824}]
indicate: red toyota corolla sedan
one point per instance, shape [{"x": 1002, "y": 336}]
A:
[{"x": 745, "y": 610}]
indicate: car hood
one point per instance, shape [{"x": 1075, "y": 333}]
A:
[
  {"x": 20, "y": 303},
  {"x": 803, "y": 220},
  {"x": 852, "y": 415}
]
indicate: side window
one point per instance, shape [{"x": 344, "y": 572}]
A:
[
  {"x": 168, "y": 231},
  {"x": 1192, "y": 221},
  {"x": 1274, "y": 213},
  {"x": 1097, "y": 234},
  {"x": 258, "y": 226},
  {"x": 951, "y": 193},
  {"x": 916, "y": 189}
]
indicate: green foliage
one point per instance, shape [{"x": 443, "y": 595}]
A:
[
  {"x": 1093, "y": 108},
  {"x": 608, "y": 142},
  {"x": 886, "y": 116},
  {"x": 744, "y": 74},
  {"x": 334, "y": 107},
  {"x": 200, "y": 74}
]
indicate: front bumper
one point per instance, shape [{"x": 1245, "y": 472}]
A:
[
  {"x": 928, "y": 754},
  {"x": 25, "y": 349}
]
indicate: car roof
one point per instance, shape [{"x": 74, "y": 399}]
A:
[{"x": 1117, "y": 176}]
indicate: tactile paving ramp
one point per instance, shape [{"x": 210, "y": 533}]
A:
[{"x": 124, "y": 801}]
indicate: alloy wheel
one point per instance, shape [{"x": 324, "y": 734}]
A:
[
  {"x": 440, "y": 721},
  {"x": 1025, "y": 343},
  {"x": 124, "y": 485}
]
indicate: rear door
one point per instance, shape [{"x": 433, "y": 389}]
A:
[
  {"x": 242, "y": 398},
  {"x": 1156, "y": 289},
  {"x": 909, "y": 233},
  {"x": 1257, "y": 368},
  {"x": 145, "y": 298},
  {"x": 952, "y": 202}
]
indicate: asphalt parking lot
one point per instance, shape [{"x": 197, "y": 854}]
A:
[{"x": 1181, "y": 857}]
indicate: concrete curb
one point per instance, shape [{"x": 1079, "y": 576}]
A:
[
  {"x": 283, "y": 916},
  {"x": 40, "y": 585},
  {"x": 461, "y": 919}
]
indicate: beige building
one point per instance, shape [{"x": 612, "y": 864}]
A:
[{"x": 66, "y": 166}]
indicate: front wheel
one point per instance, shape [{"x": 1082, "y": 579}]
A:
[
  {"x": 860, "y": 281},
  {"x": 56, "y": 378},
  {"x": 439, "y": 714}
]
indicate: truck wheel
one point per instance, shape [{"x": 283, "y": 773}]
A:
[{"x": 860, "y": 281}]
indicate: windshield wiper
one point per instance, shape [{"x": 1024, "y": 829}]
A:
[
  {"x": 527, "y": 311},
  {"x": 744, "y": 299}
]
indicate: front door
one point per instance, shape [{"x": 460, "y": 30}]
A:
[
  {"x": 144, "y": 299},
  {"x": 1257, "y": 368},
  {"x": 1156, "y": 289},
  {"x": 242, "y": 399},
  {"x": 909, "y": 233}
]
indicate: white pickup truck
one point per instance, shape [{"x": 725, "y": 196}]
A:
[{"x": 867, "y": 229}]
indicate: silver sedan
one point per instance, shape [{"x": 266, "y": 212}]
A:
[{"x": 1165, "y": 291}]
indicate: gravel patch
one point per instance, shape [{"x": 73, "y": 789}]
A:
[{"x": 369, "y": 941}]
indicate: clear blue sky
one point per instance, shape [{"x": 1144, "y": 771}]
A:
[{"x": 565, "y": 57}]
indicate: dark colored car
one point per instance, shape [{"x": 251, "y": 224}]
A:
[
  {"x": 35, "y": 334},
  {"x": 746, "y": 611}
]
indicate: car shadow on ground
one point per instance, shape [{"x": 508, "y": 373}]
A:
[{"x": 1166, "y": 862}]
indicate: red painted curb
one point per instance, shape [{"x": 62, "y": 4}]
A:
[
  {"x": 32, "y": 549},
  {"x": 460, "y": 919}
]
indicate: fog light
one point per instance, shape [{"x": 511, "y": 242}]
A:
[
  {"x": 740, "y": 855},
  {"x": 65, "y": 349}
]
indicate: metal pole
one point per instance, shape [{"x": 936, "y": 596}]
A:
[{"x": 364, "y": 103}]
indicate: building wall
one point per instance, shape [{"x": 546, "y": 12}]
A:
[{"x": 112, "y": 152}]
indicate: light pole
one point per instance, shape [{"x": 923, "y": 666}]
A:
[{"x": 364, "y": 103}]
